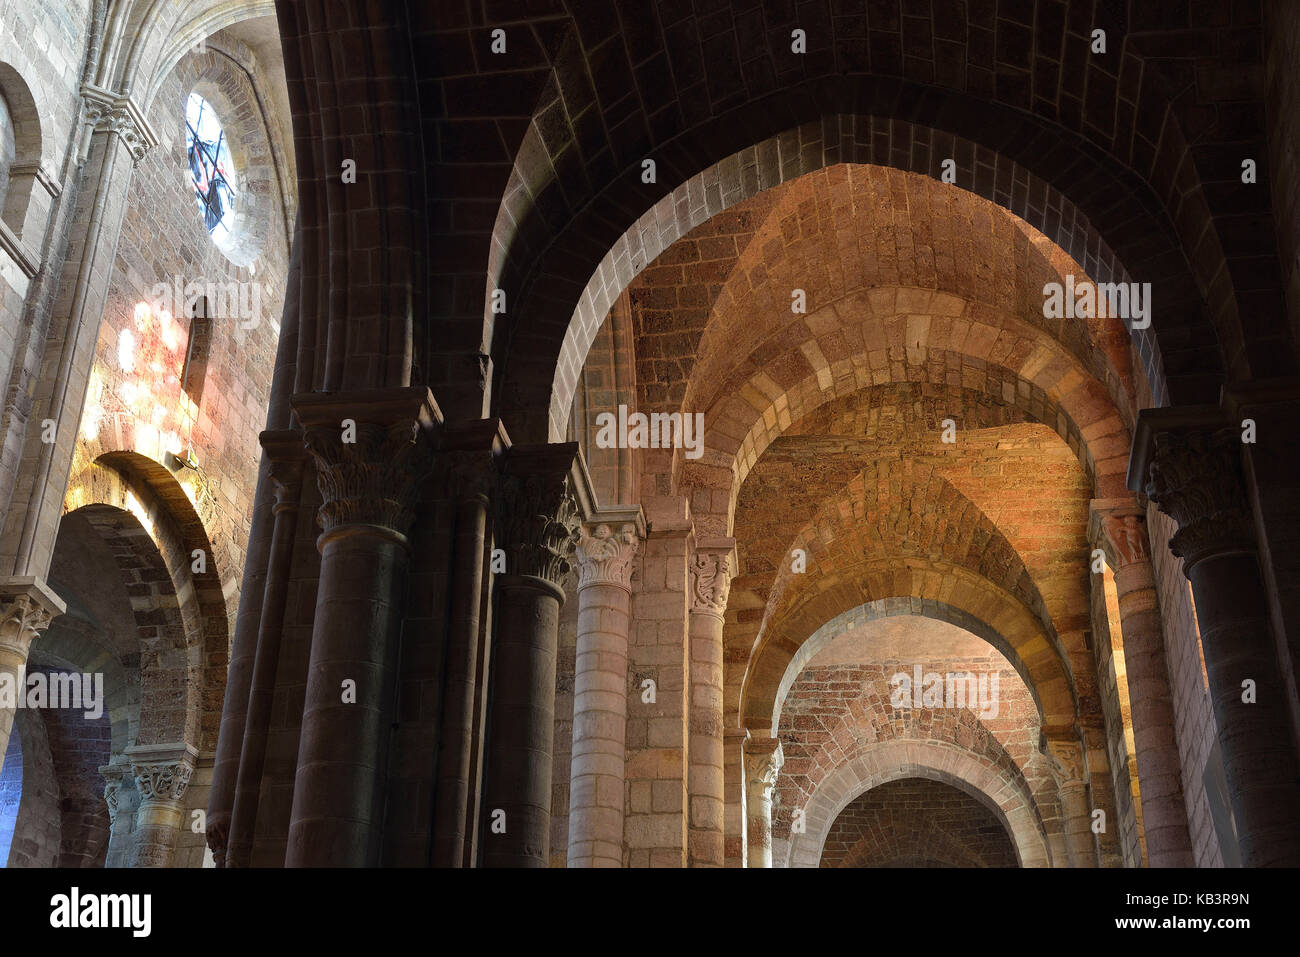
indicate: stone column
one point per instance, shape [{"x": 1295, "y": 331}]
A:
[
  {"x": 763, "y": 761},
  {"x": 162, "y": 776},
  {"x": 606, "y": 550},
  {"x": 1194, "y": 474},
  {"x": 33, "y": 472},
  {"x": 473, "y": 452},
  {"x": 27, "y": 606},
  {"x": 284, "y": 450},
  {"x": 1164, "y": 811},
  {"x": 123, "y": 802},
  {"x": 372, "y": 454},
  {"x": 1066, "y": 761},
  {"x": 711, "y": 571},
  {"x": 735, "y": 833},
  {"x": 539, "y": 530}
]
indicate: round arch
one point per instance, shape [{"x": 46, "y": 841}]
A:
[{"x": 1009, "y": 800}]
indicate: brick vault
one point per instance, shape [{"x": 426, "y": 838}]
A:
[{"x": 622, "y": 434}]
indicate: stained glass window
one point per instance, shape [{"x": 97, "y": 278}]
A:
[{"x": 210, "y": 166}]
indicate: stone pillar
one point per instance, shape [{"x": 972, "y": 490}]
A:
[
  {"x": 654, "y": 827},
  {"x": 373, "y": 454},
  {"x": 539, "y": 530},
  {"x": 33, "y": 472},
  {"x": 284, "y": 450},
  {"x": 763, "y": 761},
  {"x": 123, "y": 802},
  {"x": 27, "y": 606},
  {"x": 162, "y": 776},
  {"x": 1164, "y": 811},
  {"x": 1193, "y": 472},
  {"x": 473, "y": 452},
  {"x": 1066, "y": 761},
  {"x": 606, "y": 550},
  {"x": 711, "y": 571},
  {"x": 735, "y": 833}
]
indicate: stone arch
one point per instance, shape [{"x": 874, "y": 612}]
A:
[
  {"x": 1010, "y": 801},
  {"x": 915, "y": 836},
  {"x": 859, "y": 139},
  {"x": 154, "y": 499},
  {"x": 1049, "y": 675},
  {"x": 888, "y": 608},
  {"x": 169, "y": 682},
  {"x": 1028, "y": 371}
]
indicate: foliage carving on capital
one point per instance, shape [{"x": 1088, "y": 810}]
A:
[
  {"x": 109, "y": 113},
  {"x": 22, "y": 618},
  {"x": 1195, "y": 478},
  {"x": 539, "y": 523},
  {"x": 710, "y": 581},
  {"x": 374, "y": 480},
  {"x": 605, "y": 554}
]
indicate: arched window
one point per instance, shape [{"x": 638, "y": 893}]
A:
[
  {"x": 8, "y": 148},
  {"x": 211, "y": 168}
]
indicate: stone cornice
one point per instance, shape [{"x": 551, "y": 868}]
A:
[{"x": 108, "y": 112}]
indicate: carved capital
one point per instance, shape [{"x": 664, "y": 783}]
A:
[
  {"x": 116, "y": 776},
  {"x": 162, "y": 772},
  {"x": 372, "y": 451},
  {"x": 1065, "y": 761},
  {"x": 606, "y": 551},
  {"x": 764, "y": 760},
  {"x": 1195, "y": 477},
  {"x": 1127, "y": 534},
  {"x": 27, "y": 606},
  {"x": 539, "y": 523},
  {"x": 285, "y": 452},
  {"x": 711, "y": 571},
  {"x": 107, "y": 112},
  {"x": 471, "y": 475}
]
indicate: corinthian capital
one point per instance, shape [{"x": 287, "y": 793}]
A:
[
  {"x": 1195, "y": 478},
  {"x": 27, "y": 606},
  {"x": 372, "y": 451},
  {"x": 711, "y": 571},
  {"x": 539, "y": 523},
  {"x": 607, "y": 548},
  {"x": 107, "y": 112},
  {"x": 162, "y": 772}
]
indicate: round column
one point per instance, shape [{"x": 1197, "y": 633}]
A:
[
  {"x": 1164, "y": 811},
  {"x": 605, "y": 555},
  {"x": 711, "y": 571},
  {"x": 763, "y": 761},
  {"x": 539, "y": 529},
  {"x": 162, "y": 776}
]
